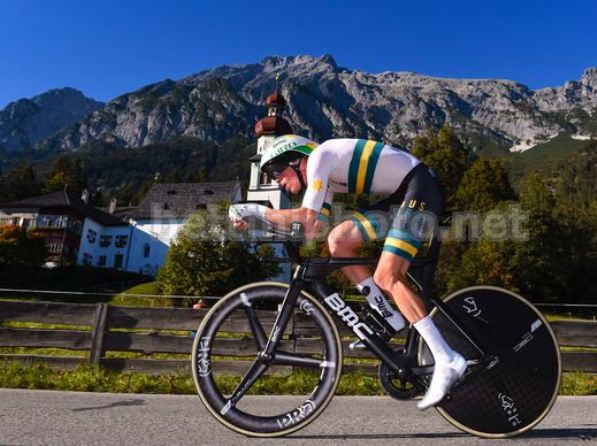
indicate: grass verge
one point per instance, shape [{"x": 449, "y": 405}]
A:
[
  {"x": 128, "y": 299},
  {"x": 87, "y": 379}
]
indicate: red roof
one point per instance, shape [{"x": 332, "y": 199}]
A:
[{"x": 272, "y": 125}]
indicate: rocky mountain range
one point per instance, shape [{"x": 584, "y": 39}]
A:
[
  {"x": 27, "y": 122},
  {"x": 323, "y": 101}
]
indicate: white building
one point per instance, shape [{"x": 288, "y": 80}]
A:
[
  {"x": 104, "y": 245},
  {"x": 142, "y": 244}
]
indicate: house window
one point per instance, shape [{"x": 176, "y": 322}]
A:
[
  {"x": 53, "y": 221},
  {"x": 121, "y": 240},
  {"x": 54, "y": 248},
  {"x": 28, "y": 223},
  {"x": 91, "y": 236},
  {"x": 54, "y": 245},
  {"x": 105, "y": 241},
  {"x": 146, "y": 250},
  {"x": 87, "y": 259},
  {"x": 118, "y": 261},
  {"x": 102, "y": 261}
]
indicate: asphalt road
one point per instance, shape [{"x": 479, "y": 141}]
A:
[{"x": 73, "y": 418}]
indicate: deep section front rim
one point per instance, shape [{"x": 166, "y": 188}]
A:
[{"x": 244, "y": 420}]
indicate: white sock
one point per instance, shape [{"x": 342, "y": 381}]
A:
[
  {"x": 379, "y": 303},
  {"x": 441, "y": 351}
]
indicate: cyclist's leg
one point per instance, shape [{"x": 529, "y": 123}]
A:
[
  {"x": 344, "y": 241},
  {"x": 415, "y": 222},
  {"x": 449, "y": 364},
  {"x": 390, "y": 274}
]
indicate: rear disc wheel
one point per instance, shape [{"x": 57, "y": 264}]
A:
[{"x": 514, "y": 393}]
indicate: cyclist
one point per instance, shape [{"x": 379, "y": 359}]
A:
[{"x": 366, "y": 167}]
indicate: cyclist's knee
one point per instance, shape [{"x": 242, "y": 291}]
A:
[
  {"x": 389, "y": 273},
  {"x": 343, "y": 240},
  {"x": 385, "y": 278},
  {"x": 339, "y": 248}
]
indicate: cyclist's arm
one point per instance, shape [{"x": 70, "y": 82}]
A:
[
  {"x": 282, "y": 218},
  {"x": 316, "y": 202},
  {"x": 314, "y": 221}
]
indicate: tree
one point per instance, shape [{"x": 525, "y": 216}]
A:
[
  {"x": 545, "y": 261},
  {"x": 557, "y": 261},
  {"x": 21, "y": 248},
  {"x": 575, "y": 187},
  {"x": 3, "y": 188},
  {"x": 491, "y": 260},
  {"x": 67, "y": 170},
  {"x": 486, "y": 262},
  {"x": 202, "y": 262},
  {"x": 576, "y": 181},
  {"x": 18, "y": 183},
  {"x": 483, "y": 186},
  {"x": 446, "y": 155}
]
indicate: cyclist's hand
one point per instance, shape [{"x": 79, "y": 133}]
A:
[
  {"x": 241, "y": 225},
  {"x": 239, "y": 213}
]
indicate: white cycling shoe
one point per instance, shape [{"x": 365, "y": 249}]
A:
[{"x": 444, "y": 376}]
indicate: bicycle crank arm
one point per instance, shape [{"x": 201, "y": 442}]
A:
[{"x": 422, "y": 371}]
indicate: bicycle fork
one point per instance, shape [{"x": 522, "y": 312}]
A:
[
  {"x": 284, "y": 315},
  {"x": 267, "y": 346}
]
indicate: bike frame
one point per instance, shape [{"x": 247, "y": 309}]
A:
[{"x": 310, "y": 276}]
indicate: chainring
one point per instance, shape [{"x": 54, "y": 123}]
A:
[{"x": 400, "y": 388}]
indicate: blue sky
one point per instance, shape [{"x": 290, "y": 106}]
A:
[{"x": 106, "y": 47}]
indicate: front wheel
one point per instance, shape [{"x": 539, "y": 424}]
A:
[
  {"x": 229, "y": 370},
  {"x": 515, "y": 391}
]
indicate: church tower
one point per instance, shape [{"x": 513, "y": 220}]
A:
[{"x": 262, "y": 188}]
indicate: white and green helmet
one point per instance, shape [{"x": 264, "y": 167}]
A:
[{"x": 285, "y": 149}]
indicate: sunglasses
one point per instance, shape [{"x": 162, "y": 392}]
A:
[{"x": 274, "y": 170}]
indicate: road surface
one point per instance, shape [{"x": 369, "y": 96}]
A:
[{"x": 38, "y": 417}]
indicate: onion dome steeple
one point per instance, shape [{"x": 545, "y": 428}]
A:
[{"x": 273, "y": 123}]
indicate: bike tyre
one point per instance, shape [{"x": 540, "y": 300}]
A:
[{"x": 267, "y": 426}]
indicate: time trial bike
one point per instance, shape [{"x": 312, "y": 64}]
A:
[{"x": 510, "y": 384}]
